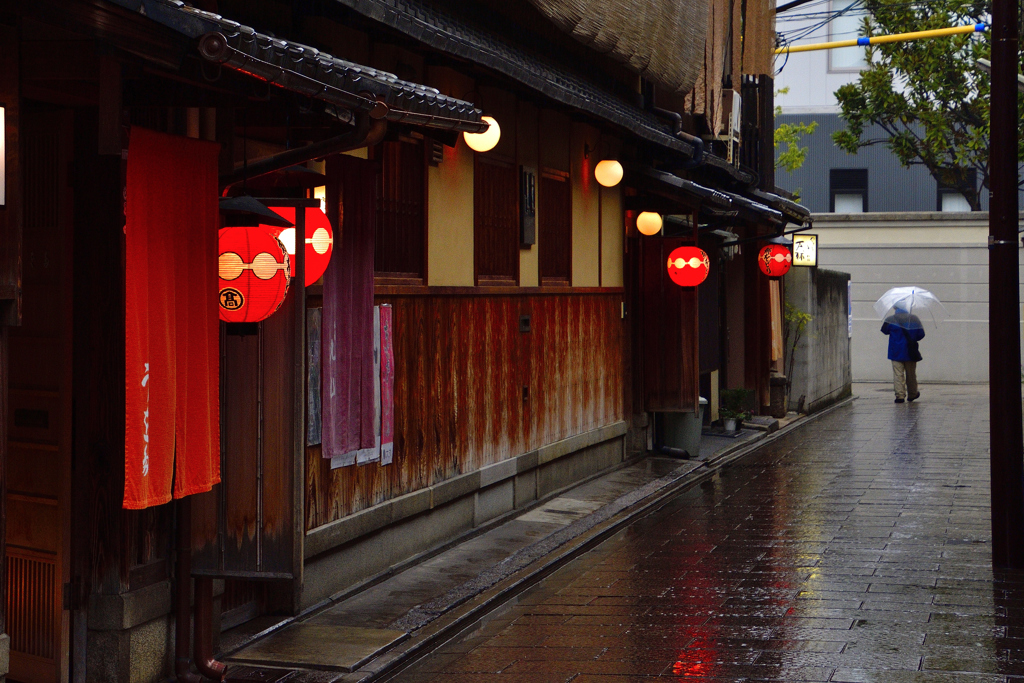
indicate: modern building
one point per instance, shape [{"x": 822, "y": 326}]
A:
[{"x": 833, "y": 181}]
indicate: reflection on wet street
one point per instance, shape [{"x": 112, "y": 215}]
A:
[{"x": 854, "y": 549}]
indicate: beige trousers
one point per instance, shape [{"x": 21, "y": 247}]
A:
[{"x": 904, "y": 378}]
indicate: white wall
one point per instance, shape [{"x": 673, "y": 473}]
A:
[
  {"x": 811, "y": 80},
  {"x": 944, "y": 253},
  {"x": 811, "y": 86}
]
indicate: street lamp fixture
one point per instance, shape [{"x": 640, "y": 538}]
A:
[
  {"x": 484, "y": 142},
  {"x": 608, "y": 172},
  {"x": 986, "y": 66},
  {"x": 649, "y": 223}
]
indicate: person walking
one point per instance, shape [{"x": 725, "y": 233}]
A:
[{"x": 904, "y": 331}]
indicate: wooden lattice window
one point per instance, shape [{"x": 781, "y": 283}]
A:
[
  {"x": 554, "y": 223},
  {"x": 400, "y": 246},
  {"x": 496, "y": 222}
]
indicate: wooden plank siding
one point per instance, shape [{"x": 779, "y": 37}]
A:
[
  {"x": 757, "y": 337},
  {"x": 669, "y": 331},
  {"x": 243, "y": 527},
  {"x": 461, "y": 365}
]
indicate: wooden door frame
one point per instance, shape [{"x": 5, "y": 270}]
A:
[{"x": 63, "y": 120}]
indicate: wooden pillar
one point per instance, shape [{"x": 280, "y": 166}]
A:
[
  {"x": 11, "y": 212},
  {"x": 10, "y": 283},
  {"x": 101, "y": 532},
  {"x": 5, "y": 641},
  {"x": 1007, "y": 450}
]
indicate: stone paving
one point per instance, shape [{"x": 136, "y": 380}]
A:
[{"x": 855, "y": 549}]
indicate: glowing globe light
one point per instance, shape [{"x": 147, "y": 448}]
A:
[
  {"x": 484, "y": 142},
  {"x": 774, "y": 260},
  {"x": 608, "y": 172},
  {"x": 649, "y": 223},
  {"x": 688, "y": 266}
]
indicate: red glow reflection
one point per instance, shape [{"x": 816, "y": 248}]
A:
[{"x": 691, "y": 669}]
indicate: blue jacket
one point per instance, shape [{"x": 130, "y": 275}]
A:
[{"x": 899, "y": 337}]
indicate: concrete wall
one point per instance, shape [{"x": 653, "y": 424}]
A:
[
  {"x": 355, "y": 548},
  {"x": 821, "y": 372},
  {"x": 944, "y": 253}
]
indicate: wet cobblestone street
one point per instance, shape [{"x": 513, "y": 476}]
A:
[{"x": 855, "y": 549}]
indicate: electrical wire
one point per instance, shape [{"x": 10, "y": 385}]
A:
[
  {"x": 797, "y": 34},
  {"x": 821, "y": 18},
  {"x": 787, "y": 38},
  {"x": 921, "y": 4}
]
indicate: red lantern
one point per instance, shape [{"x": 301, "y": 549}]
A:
[
  {"x": 688, "y": 266},
  {"x": 253, "y": 269},
  {"x": 775, "y": 260},
  {"x": 319, "y": 240}
]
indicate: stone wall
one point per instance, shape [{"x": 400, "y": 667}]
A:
[{"x": 821, "y": 373}]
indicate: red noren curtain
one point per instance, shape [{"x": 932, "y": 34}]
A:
[{"x": 172, "y": 420}]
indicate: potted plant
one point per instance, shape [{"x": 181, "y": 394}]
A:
[{"x": 732, "y": 410}]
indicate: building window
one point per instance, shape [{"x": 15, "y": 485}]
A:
[
  {"x": 496, "y": 221},
  {"x": 848, "y": 190},
  {"x": 846, "y": 26},
  {"x": 950, "y": 199},
  {"x": 555, "y": 228},
  {"x": 400, "y": 245}
]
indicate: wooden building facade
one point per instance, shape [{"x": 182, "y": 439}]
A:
[{"x": 534, "y": 329}]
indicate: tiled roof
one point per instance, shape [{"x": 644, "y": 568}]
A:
[
  {"x": 451, "y": 35},
  {"x": 315, "y": 73},
  {"x": 674, "y": 183},
  {"x": 793, "y": 211},
  {"x": 714, "y": 201},
  {"x": 761, "y": 210}
]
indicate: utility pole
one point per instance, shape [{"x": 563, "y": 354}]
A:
[{"x": 1007, "y": 439}]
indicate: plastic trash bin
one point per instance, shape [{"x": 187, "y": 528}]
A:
[{"x": 682, "y": 430}]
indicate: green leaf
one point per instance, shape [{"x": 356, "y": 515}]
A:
[
  {"x": 793, "y": 155},
  {"x": 927, "y": 96}
]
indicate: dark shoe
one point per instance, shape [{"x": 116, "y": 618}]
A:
[
  {"x": 899, "y": 400},
  {"x": 914, "y": 397}
]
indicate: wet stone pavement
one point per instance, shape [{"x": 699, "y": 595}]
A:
[{"x": 855, "y": 549}]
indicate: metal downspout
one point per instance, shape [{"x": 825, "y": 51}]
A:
[
  {"x": 677, "y": 129},
  {"x": 677, "y": 124},
  {"x": 202, "y": 647}
]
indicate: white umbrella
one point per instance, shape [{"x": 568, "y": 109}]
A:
[{"x": 904, "y": 306}]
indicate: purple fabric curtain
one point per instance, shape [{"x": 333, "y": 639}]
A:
[{"x": 347, "y": 350}]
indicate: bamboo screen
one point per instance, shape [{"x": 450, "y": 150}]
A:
[{"x": 662, "y": 40}]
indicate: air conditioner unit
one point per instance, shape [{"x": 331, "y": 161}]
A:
[
  {"x": 735, "y": 103},
  {"x": 732, "y": 104}
]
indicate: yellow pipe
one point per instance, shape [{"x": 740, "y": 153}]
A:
[{"x": 874, "y": 40}]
